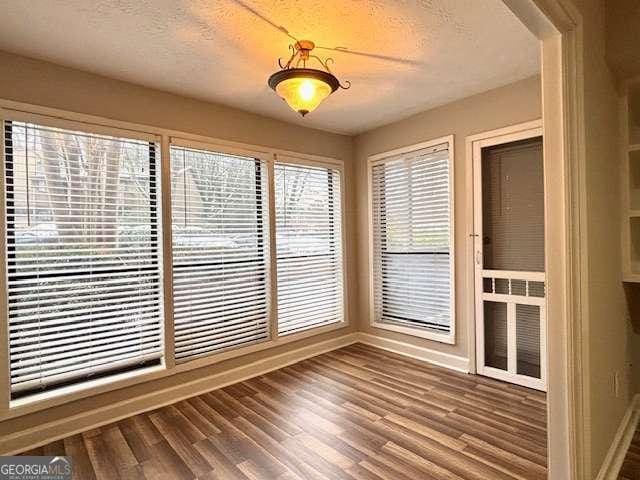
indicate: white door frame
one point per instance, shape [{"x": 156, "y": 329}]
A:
[
  {"x": 558, "y": 25},
  {"x": 474, "y": 145}
]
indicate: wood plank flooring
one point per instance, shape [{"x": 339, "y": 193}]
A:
[
  {"x": 631, "y": 466},
  {"x": 355, "y": 413}
]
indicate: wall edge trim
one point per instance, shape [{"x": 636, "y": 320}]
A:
[
  {"x": 58, "y": 429},
  {"x": 441, "y": 359},
  {"x": 48, "y": 432},
  {"x": 618, "y": 450}
]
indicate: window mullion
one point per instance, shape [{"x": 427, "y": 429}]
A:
[
  {"x": 273, "y": 253},
  {"x": 5, "y": 381},
  {"x": 167, "y": 253}
]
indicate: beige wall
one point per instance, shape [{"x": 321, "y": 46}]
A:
[
  {"x": 512, "y": 104},
  {"x": 623, "y": 22},
  {"x": 608, "y": 345},
  {"x": 623, "y": 56},
  {"x": 40, "y": 83},
  {"x": 633, "y": 347},
  {"x": 45, "y": 84}
]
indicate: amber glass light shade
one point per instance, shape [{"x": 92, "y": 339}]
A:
[
  {"x": 303, "y": 94},
  {"x": 303, "y": 88}
]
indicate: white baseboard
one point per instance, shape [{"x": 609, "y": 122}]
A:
[
  {"x": 446, "y": 360},
  {"x": 618, "y": 450},
  {"x": 48, "y": 432},
  {"x": 55, "y": 430}
]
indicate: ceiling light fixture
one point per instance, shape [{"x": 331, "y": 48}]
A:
[{"x": 304, "y": 88}]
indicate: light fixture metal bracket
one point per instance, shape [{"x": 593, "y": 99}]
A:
[{"x": 300, "y": 55}]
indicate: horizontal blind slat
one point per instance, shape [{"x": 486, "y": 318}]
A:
[
  {"x": 411, "y": 240},
  {"x": 220, "y": 251},
  {"x": 84, "y": 293},
  {"x": 309, "y": 247}
]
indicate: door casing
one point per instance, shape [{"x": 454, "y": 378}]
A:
[{"x": 475, "y": 144}]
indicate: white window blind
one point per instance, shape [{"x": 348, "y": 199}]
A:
[
  {"x": 513, "y": 206},
  {"x": 83, "y": 259},
  {"x": 412, "y": 240},
  {"x": 309, "y": 247},
  {"x": 220, "y": 251}
]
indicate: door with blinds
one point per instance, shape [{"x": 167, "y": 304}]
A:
[{"x": 510, "y": 260}]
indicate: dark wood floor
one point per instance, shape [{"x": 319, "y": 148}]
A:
[
  {"x": 631, "y": 467},
  {"x": 355, "y": 413}
]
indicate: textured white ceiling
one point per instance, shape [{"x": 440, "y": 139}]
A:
[{"x": 224, "y": 50}]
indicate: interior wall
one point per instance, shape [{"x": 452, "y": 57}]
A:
[
  {"x": 622, "y": 22},
  {"x": 632, "y": 296},
  {"x": 631, "y": 103},
  {"x": 45, "y": 84},
  {"x": 633, "y": 347},
  {"x": 608, "y": 344},
  {"x": 512, "y": 104},
  {"x": 41, "y": 83}
]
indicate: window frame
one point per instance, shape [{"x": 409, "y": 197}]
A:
[
  {"x": 263, "y": 159},
  {"x": 385, "y": 157},
  {"x": 321, "y": 163},
  {"x": 164, "y": 138},
  {"x": 155, "y": 211}
]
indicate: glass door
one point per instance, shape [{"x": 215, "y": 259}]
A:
[{"x": 509, "y": 261}]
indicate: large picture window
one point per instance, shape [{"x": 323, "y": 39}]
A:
[
  {"x": 120, "y": 268},
  {"x": 412, "y": 240},
  {"x": 309, "y": 247},
  {"x": 220, "y": 251},
  {"x": 83, "y": 264}
]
